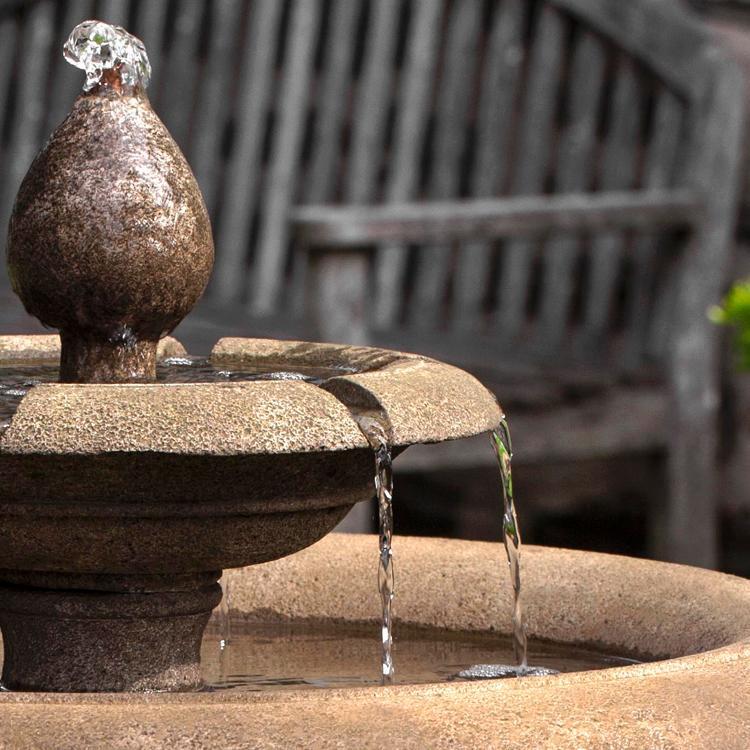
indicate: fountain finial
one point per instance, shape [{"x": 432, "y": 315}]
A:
[{"x": 109, "y": 240}]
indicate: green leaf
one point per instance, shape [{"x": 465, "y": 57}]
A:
[{"x": 734, "y": 311}]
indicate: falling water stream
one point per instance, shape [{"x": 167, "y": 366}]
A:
[
  {"x": 501, "y": 442},
  {"x": 225, "y": 622},
  {"x": 374, "y": 429}
]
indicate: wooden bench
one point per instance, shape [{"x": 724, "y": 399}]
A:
[
  {"x": 542, "y": 191},
  {"x": 571, "y": 223}
]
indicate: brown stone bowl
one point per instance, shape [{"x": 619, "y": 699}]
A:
[
  {"x": 143, "y": 493},
  {"x": 695, "y": 622}
]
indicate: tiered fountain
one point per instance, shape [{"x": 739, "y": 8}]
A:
[{"x": 125, "y": 494}]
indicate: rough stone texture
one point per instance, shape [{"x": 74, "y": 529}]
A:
[
  {"x": 160, "y": 541},
  {"x": 196, "y": 418},
  {"x": 424, "y": 400},
  {"x": 303, "y": 353},
  {"x": 110, "y": 240},
  {"x": 688, "y": 702},
  {"x": 41, "y": 348},
  {"x": 93, "y": 641},
  {"x": 571, "y": 596}
]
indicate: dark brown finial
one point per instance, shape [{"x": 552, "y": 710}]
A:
[{"x": 109, "y": 240}]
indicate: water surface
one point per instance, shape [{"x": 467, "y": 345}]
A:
[{"x": 278, "y": 656}]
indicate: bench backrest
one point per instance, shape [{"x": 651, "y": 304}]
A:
[{"x": 281, "y": 102}]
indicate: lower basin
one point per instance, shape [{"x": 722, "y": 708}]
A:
[{"x": 692, "y": 625}]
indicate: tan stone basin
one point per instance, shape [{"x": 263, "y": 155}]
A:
[
  {"x": 696, "y": 622},
  {"x": 122, "y": 502}
]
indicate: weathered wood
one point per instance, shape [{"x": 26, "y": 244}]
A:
[
  {"x": 329, "y": 123},
  {"x": 371, "y": 102},
  {"x": 8, "y": 41},
  {"x": 717, "y": 130},
  {"x": 28, "y": 114},
  {"x": 531, "y": 161},
  {"x": 639, "y": 29},
  {"x": 459, "y": 62},
  {"x": 659, "y": 173},
  {"x": 213, "y": 99},
  {"x": 150, "y": 23},
  {"x": 332, "y": 101},
  {"x": 180, "y": 70},
  {"x": 494, "y": 218},
  {"x": 502, "y": 76},
  {"x": 616, "y": 421},
  {"x": 339, "y": 296},
  {"x": 113, "y": 11},
  {"x": 368, "y": 132},
  {"x": 293, "y": 107},
  {"x": 67, "y": 81},
  {"x": 574, "y": 173},
  {"x": 411, "y": 127},
  {"x": 241, "y": 185},
  {"x": 618, "y": 173}
]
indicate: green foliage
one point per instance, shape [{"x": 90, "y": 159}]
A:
[{"x": 735, "y": 311}]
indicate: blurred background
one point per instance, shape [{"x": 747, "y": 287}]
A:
[{"x": 608, "y": 155}]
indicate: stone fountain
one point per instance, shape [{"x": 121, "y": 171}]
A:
[{"x": 124, "y": 499}]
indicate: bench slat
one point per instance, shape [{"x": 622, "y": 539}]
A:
[
  {"x": 574, "y": 174},
  {"x": 659, "y": 173},
  {"x": 213, "y": 99},
  {"x": 412, "y": 111},
  {"x": 501, "y": 81},
  {"x": 534, "y": 215},
  {"x": 150, "y": 22},
  {"x": 371, "y": 103},
  {"x": 271, "y": 252},
  {"x": 34, "y": 58},
  {"x": 112, "y": 11},
  {"x": 241, "y": 185},
  {"x": 67, "y": 81},
  {"x": 532, "y": 156},
  {"x": 177, "y": 98},
  {"x": 618, "y": 173},
  {"x": 332, "y": 102},
  {"x": 458, "y": 65}
]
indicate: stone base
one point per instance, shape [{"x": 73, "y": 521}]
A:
[{"x": 141, "y": 636}]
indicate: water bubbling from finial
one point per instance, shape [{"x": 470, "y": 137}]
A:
[{"x": 95, "y": 47}]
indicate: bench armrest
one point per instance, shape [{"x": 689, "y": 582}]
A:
[
  {"x": 447, "y": 221},
  {"x": 337, "y": 239}
]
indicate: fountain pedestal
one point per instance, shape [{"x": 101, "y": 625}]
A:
[{"x": 128, "y": 633}]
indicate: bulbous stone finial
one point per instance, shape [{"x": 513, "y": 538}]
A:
[{"x": 109, "y": 240}]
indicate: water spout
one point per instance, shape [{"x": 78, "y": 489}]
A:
[
  {"x": 375, "y": 431},
  {"x": 97, "y": 48},
  {"x": 511, "y": 537}
]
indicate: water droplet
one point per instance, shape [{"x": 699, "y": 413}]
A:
[{"x": 94, "y": 47}]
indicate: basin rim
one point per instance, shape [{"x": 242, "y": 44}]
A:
[
  {"x": 674, "y": 703},
  {"x": 423, "y": 401}
]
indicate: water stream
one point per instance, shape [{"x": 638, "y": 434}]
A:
[
  {"x": 503, "y": 447},
  {"x": 374, "y": 429},
  {"x": 225, "y": 622}
]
